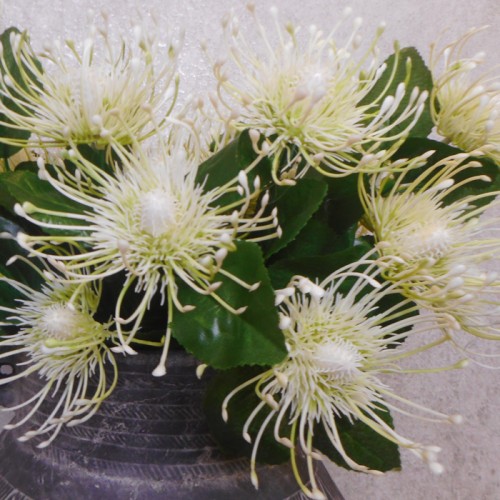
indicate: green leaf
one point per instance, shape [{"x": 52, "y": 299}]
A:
[
  {"x": 417, "y": 146},
  {"x": 316, "y": 238},
  {"x": 223, "y": 339},
  {"x": 19, "y": 271},
  {"x": 315, "y": 266},
  {"x": 342, "y": 207},
  {"x": 26, "y": 186},
  {"x": 361, "y": 443},
  {"x": 226, "y": 164},
  {"x": 228, "y": 435},
  {"x": 10, "y": 67},
  {"x": 420, "y": 76},
  {"x": 295, "y": 204}
]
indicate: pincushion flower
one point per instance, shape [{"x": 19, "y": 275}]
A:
[
  {"x": 465, "y": 106},
  {"x": 340, "y": 342},
  {"x": 153, "y": 220},
  {"x": 65, "y": 348},
  {"x": 434, "y": 249},
  {"x": 305, "y": 97},
  {"x": 99, "y": 95}
]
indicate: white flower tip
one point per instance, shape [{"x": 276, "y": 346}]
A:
[
  {"x": 265, "y": 200},
  {"x": 456, "y": 419},
  {"x": 255, "y": 479},
  {"x": 446, "y": 184},
  {"x": 455, "y": 283},
  {"x": 436, "y": 468},
  {"x": 318, "y": 158},
  {"x": 22, "y": 238},
  {"x": 286, "y": 442},
  {"x": 285, "y": 322},
  {"x": 159, "y": 371},
  {"x": 254, "y": 286},
  {"x": 11, "y": 260},
  {"x": 225, "y": 415},
  {"x": 40, "y": 163},
  {"x": 279, "y": 299},
  {"x": 19, "y": 210},
  {"x": 48, "y": 275},
  {"x": 42, "y": 174},
  {"x": 188, "y": 308},
  {"x": 241, "y": 310},
  {"x": 282, "y": 379},
  {"x": 123, "y": 246},
  {"x": 271, "y": 402},
  {"x": 124, "y": 349},
  {"x": 317, "y": 292},
  {"x": 254, "y": 135},
  {"x": 358, "y": 21},
  {"x": 266, "y": 147},
  {"x": 347, "y": 12},
  {"x": 225, "y": 238},
  {"x": 220, "y": 255},
  {"x": 317, "y": 494},
  {"x": 200, "y": 370},
  {"x": 8, "y": 427},
  {"x": 21, "y": 439},
  {"x": 247, "y": 437},
  {"x": 97, "y": 120},
  {"x": 464, "y": 363}
]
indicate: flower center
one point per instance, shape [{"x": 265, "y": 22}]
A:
[
  {"x": 158, "y": 211},
  {"x": 59, "y": 322},
  {"x": 429, "y": 241},
  {"x": 339, "y": 360}
]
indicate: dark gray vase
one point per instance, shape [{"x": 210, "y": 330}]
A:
[{"x": 149, "y": 441}]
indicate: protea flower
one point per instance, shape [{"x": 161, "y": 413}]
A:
[
  {"x": 65, "y": 348},
  {"x": 466, "y": 106},
  {"x": 97, "y": 95},
  {"x": 435, "y": 250},
  {"x": 153, "y": 220},
  {"x": 304, "y": 97},
  {"x": 340, "y": 343}
]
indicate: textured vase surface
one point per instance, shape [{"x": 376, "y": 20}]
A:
[{"x": 148, "y": 441}]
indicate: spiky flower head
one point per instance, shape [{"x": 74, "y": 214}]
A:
[
  {"x": 304, "y": 95},
  {"x": 64, "y": 346},
  {"x": 95, "y": 94},
  {"x": 340, "y": 343},
  {"x": 434, "y": 249},
  {"x": 154, "y": 220},
  {"x": 465, "y": 105}
]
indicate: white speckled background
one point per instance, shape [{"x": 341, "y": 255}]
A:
[{"x": 471, "y": 452}]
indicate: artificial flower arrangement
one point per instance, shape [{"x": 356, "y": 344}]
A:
[{"x": 287, "y": 231}]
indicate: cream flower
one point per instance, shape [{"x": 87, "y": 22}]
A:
[
  {"x": 65, "y": 348},
  {"x": 99, "y": 95},
  {"x": 465, "y": 106},
  {"x": 153, "y": 220},
  {"x": 304, "y": 95},
  {"x": 435, "y": 250},
  {"x": 340, "y": 342}
]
